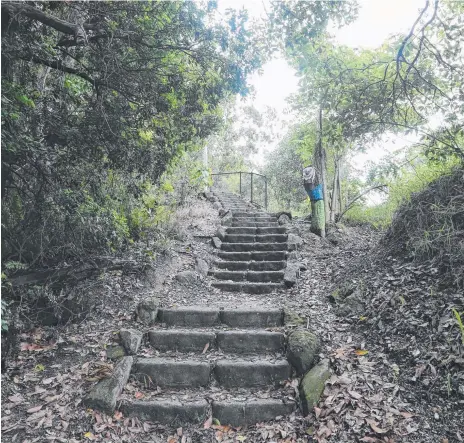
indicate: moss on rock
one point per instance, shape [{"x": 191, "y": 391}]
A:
[
  {"x": 302, "y": 350},
  {"x": 312, "y": 386},
  {"x": 292, "y": 318},
  {"x": 115, "y": 352}
]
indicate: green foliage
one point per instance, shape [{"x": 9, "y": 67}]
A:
[
  {"x": 402, "y": 185},
  {"x": 91, "y": 121},
  {"x": 457, "y": 316}
]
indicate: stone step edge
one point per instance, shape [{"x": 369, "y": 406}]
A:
[
  {"x": 248, "y": 287},
  {"x": 185, "y": 373},
  {"x": 231, "y": 341},
  {"x": 249, "y": 265},
  {"x": 207, "y": 316},
  {"x": 231, "y": 413}
]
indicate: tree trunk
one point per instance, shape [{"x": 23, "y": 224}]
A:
[{"x": 321, "y": 207}]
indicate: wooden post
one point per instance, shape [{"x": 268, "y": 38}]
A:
[
  {"x": 251, "y": 192},
  {"x": 265, "y": 192}
]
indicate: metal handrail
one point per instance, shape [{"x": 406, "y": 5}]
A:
[{"x": 251, "y": 183}]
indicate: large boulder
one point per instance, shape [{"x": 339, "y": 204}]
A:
[
  {"x": 303, "y": 347},
  {"x": 147, "y": 310},
  {"x": 187, "y": 277},
  {"x": 291, "y": 273},
  {"x": 202, "y": 267},
  {"x": 216, "y": 242},
  {"x": 130, "y": 339},
  {"x": 284, "y": 219},
  {"x": 312, "y": 386},
  {"x": 217, "y": 205},
  {"x": 105, "y": 393},
  {"x": 221, "y": 233},
  {"x": 293, "y": 319},
  {"x": 227, "y": 219}
]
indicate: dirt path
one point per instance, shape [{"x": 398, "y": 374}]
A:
[{"x": 363, "y": 401}]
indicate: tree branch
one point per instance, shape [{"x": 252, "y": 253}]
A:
[
  {"x": 350, "y": 204},
  {"x": 37, "y": 14},
  {"x": 58, "y": 64}
]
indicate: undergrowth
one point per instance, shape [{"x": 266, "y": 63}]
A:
[
  {"x": 431, "y": 227},
  {"x": 400, "y": 190}
]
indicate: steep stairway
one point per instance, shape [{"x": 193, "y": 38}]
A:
[
  {"x": 254, "y": 249},
  {"x": 223, "y": 362},
  {"x": 227, "y": 363}
]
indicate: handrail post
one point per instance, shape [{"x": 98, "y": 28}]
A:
[
  {"x": 265, "y": 192},
  {"x": 240, "y": 183},
  {"x": 251, "y": 192}
]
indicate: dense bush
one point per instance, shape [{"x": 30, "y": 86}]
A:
[{"x": 100, "y": 103}]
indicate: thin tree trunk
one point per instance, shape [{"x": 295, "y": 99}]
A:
[{"x": 320, "y": 209}]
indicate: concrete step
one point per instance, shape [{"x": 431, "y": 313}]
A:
[
  {"x": 253, "y": 317},
  {"x": 271, "y": 230},
  {"x": 253, "y": 224},
  {"x": 242, "y": 342},
  {"x": 248, "y": 287},
  {"x": 235, "y": 373},
  {"x": 239, "y": 413},
  {"x": 167, "y": 412},
  {"x": 251, "y": 276},
  {"x": 175, "y": 413},
  {"x": 230, "y": 373},
  {"x": 256, "y": 231},
  {"x": 251, "y": 266},
  {"x": 255, "y": 255},
  {"x": 246, "y": 238},
  {"x": 250, "y": 214},
  {"x": 255, "y": 219},
  {"x": 181, "y": 340},
  {"x": 190, "y": 316},
  {"x": 245, "y": 247},
  {"x": 164, "y": 372},
  {"x": 250, "y": 341}
]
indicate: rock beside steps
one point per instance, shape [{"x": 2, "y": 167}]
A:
[
  {"x": 253, "y": 250},
  {"x": 224, "y": 363}
]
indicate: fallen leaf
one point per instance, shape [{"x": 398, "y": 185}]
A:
[
  {"x": 89, "y": 436},
  {"x": 117, "y": 415},
  {"x": 208, "y": 423},
  {"x": 179, "y": 432},
  {"x": 34, "y": 409},
  {"x": 241, "y": 438},
  {"x": 205, "y": 348},
  {"x": 361, "y": 352},
  {"x": 355, "y": 395},
  {"x": 17, "y": 398},
  {"x": 407, "y": 414},
  {"x": 138, "y": 395},
  {"x": 375, "y": 428},
  {"x": 47, "y": 381}
]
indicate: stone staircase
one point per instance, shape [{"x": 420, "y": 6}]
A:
[
  {"x": 225, "y": 363},
  {"x": 228, "y": 363},
  {"x": 253, "y": 249}
]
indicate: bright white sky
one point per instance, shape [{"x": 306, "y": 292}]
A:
[{"x": 377, "y": 20}]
